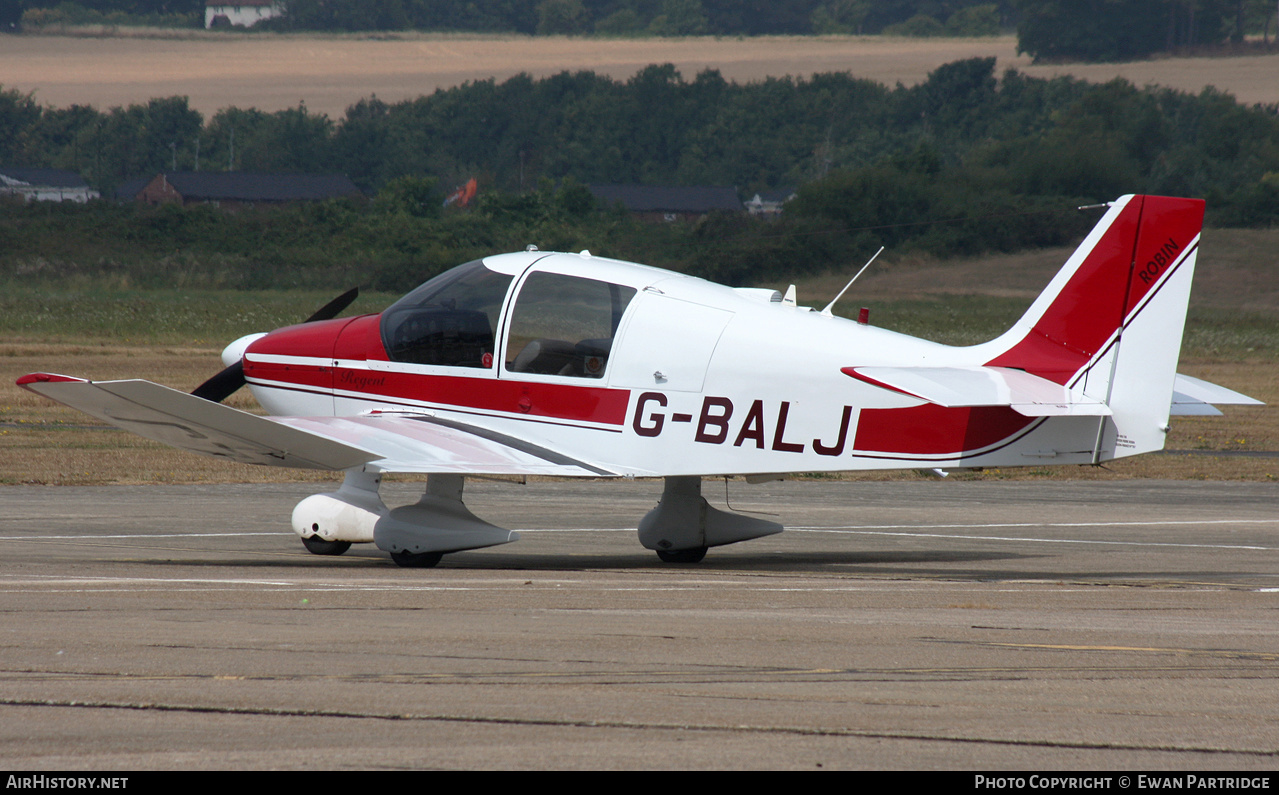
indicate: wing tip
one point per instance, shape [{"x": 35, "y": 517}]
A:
[{"x": 45, "y": 378}]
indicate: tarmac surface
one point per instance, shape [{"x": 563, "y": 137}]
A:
[{"x": 926, "y": 624}]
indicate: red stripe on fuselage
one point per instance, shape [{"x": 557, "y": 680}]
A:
[
  {"x": 554, "y": 401},
  {"x": 936, "y": 430},
  {"x": 558, "y": 401}
]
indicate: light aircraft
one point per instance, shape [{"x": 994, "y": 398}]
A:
[{"x": 539, "y": 363}]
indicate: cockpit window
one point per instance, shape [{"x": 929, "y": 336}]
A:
[
  {"x": 565, "y": 325},
  {"x": 449, "y": 320}
]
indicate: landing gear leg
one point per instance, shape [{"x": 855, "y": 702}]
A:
[
  {"x": 418, "y": 535},
  {"x": 684, "y": 525}
]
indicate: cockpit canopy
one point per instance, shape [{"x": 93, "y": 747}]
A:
[{"x": 559, "y": 324}]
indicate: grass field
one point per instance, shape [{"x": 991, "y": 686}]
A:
[
  {"x": 174, "y": 337},
  {"x": 329, "y": 73}
]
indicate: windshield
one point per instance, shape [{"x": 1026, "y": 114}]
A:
[{"x": 449, "y": 320}]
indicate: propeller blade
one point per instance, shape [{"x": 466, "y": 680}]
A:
[
  {"x": 221, "y": 386},
  {"x": 331, "y": 309},
  {"x": 224, "y": 384}
]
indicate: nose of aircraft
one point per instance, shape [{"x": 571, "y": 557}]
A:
[{"x": 221, "y": 386}]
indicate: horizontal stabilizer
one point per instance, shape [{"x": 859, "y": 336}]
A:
[
  {"x": 1195, "y": 397},
  {"x": 1028, "y": 395}
]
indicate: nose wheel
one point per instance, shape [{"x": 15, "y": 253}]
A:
[{"x": 318, "y": 546}]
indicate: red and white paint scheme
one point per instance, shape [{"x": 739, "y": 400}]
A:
[{"x": 539, "y": 363}]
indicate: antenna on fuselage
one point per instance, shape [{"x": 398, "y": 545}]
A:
[{"x": 826, "y": 311}]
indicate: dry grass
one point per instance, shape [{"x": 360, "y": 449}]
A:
[
  {"x": 42, "y": 442},
  {"x": 1237, "y": 269},
  {"x": 329, "y": 73}
]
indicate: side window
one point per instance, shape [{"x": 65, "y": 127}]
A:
[
  {"x": 449, "y": 320},
  {"x": 564, "y": 325}
]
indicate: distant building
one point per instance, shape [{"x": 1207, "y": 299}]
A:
[
  {"x": 768, "y": 203},
  {"x": 667, "y": 203},
  {"x": 128, "y": 191},
  {"x": 45, "y": 185},
  {"x": 234, "y": 188},
  {"x": 242, "y": 14}
]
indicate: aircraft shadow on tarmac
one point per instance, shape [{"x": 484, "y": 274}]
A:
[
  {"x": 897, "y": 562},
  {"x": 967, "y": 565}
]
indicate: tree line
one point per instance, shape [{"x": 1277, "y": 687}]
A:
[
  {"x": 963, "y": 163},
  {"x": 660, "y": 17},
  {"x": 1106, "y": 30},
  {"x": 574, "y": 17},
  {"x": 1035, "y": 136},
  {"x": 1046, "y": 29}
]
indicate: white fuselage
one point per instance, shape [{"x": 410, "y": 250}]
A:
[{"x": 701, "y": 379}]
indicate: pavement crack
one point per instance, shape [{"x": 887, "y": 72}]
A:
[{"x": 640, "y": 726}]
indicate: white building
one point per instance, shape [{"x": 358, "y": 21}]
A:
[
  {"x": 45, "y": 185},
  {"x": 768, "y": 203},
  {"x": 243, "y": 14}
]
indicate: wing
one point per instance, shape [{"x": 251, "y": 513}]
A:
[
  {"x": 389, "y": 443},
  {"x": 423, "y": 442},
  {"x": 1028, "y": 395}
]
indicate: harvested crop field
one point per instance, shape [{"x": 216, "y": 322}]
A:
[{"x": 329, "y": 73}]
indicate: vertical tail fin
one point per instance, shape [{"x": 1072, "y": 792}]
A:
[{"x": 1110, "y": 323}]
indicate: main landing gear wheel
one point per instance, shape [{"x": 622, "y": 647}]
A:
[
  {"x": 693, "y": 555},
  {"x": 416, "y": 560},
  {"x": 318, "y": 546}
]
